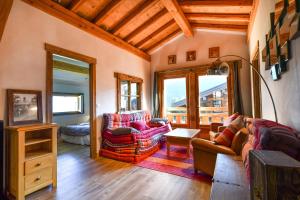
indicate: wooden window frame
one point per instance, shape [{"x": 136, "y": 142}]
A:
[
  {"x": 192, "y": 74},
  {"x": 131, "y": 79}
]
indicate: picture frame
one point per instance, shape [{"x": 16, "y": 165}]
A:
[
  {"x": 24, "y": 107},
  {"x": 280, "y": 10},
  {"x": 171, "y": 59},
  {"x": 273, "y": 51},
  {"x": 295, "y": 28},
  {"x": 214, "y": 52},
  {"x": 191, "y": 56}
]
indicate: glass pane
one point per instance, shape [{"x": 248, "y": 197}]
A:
[
  {"x": 124, "y": 87},
  {"x": 67, "y": 103},
  {"x": 134, "y": 103},
  {"x": 213, "y": 99},
  {"x": 134, "y": 89},
  {"x": 124, "y": 103},
  {"x": 175, "y": 108}
]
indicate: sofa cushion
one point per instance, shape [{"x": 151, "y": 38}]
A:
[
  {"x": 239, "y": 140},
  {"x": 226, "y": 137},
  {"x": 139, "y": 125},
  {"x": 124, "y": 131},
  {"x": 229, "y": 119}
]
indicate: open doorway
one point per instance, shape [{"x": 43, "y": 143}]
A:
[{"x": 70, "y": 98}]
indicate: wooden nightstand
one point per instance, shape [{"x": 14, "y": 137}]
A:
[{"x": 32, "y": 158}]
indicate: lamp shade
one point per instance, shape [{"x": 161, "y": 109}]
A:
[{"x": 219, "y": 68}]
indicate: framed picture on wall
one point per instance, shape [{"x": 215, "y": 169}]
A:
[
  {"x": 214, "y": 52},
  {"x": 171, "y": 59},
  {"x": 191, "y": 56},
  {"x": 24, "y": 107}
]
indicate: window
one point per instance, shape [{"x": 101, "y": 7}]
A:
[
  {"x": 67, "y": 103},
  {"x": 129, "y": 92},
  {"x": 213, "y": 99},
  {"x": 175, "y": 108}
]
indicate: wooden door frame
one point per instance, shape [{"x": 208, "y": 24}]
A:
[
  {"x": 257, "y": 110},
  {"x": 50, "y": 50}
]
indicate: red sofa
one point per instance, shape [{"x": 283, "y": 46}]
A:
[{"x": 132, "y": 147}]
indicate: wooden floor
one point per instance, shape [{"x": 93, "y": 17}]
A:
[{"x": 81, "y": 178}]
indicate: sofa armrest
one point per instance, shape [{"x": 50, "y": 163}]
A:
[
  {"x": 209, "y": 146},
  {"x": 214, "y": 126}
]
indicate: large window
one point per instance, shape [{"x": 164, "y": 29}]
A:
[
  {"x": 129, "y": 92},
  {"x": 67, "y": 103},
  {"x": 175, "y": 103},
  {"x": 213, "y": 99}
]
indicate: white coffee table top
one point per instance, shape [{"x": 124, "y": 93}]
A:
[{"x": 183, "y": 132}]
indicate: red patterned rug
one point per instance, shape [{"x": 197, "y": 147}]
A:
[{"x": 177, "y": 163}]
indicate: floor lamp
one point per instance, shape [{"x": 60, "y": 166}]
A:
[{"x": 222, "y": 68}]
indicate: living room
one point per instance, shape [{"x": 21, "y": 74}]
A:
[{"x": 185, "y": 68}]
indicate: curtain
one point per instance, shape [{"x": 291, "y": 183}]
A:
[
  {"x": 238, "y": 106},
  {"x": 155, "y": 96}
]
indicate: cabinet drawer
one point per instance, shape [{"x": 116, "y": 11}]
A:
[
  {"x": 38, "y": 178},
  {"x": 36, "y": 164}
]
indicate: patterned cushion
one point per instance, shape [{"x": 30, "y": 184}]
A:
[
  {"x": 239, "y": 140},
  {"x": 139, "y": 125},
  {"x": 226, "y": 137},
  {"x": 230, "y": 119}
]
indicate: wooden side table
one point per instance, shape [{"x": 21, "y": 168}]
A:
[{"x": 181, "y": 137}]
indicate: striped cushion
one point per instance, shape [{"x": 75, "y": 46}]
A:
[{"x": 225, "y": 138}]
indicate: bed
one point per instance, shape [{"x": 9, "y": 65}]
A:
[{"x": 76, "y": 134}]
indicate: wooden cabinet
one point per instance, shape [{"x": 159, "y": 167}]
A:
[{"x": 32, "y": 154}]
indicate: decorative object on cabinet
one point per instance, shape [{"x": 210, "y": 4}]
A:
[
  {"x": 171, "y": 59},
  {"x": 32, "y": 158},
  {"x": 273, "y": 175},
  {"x": 24, "y": 107},
  {"x": 214, "y": 52},
  {"x": 191, "y": 56}
]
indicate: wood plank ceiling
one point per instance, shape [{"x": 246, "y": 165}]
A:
[{"x": 141, "y": 26}]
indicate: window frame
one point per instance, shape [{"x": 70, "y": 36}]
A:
[
  {"x": 131, "y": 79},
  {"x": 69, "y": 94}
]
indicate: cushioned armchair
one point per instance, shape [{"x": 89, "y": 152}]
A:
[{"x": 205, "y": 151}]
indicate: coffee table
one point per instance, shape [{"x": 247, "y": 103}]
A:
[{"x": 181, "y": 137}]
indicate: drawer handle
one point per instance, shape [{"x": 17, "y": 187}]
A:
[
  {"x": 38, "y": 164},
  {"x": 37, "y": 179}
]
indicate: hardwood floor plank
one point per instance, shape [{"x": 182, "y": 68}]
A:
[{"x": 82, "y": 178}]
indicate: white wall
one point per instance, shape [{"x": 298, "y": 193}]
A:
[
  {"x": 68, "y": 119},
  {"x": 229, "y": 43},
  {"x": 286, "y": 91},
  {"x": 23, "y": 57}
]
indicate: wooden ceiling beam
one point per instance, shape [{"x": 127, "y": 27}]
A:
[
  {"x": 218, "y": 16},
  {"x": 252, "y": 18},
  {"x": 75, "y": 5},
  {"x": 70, "y": 17},
  {"x": 140, "y": 8},
  {"x": 163, "y": 41},
  {"x": 139, "y": 44},
  {"x": 219, "y": 3},
  {"x": 226, "y": 27},
  {"x": 149, "y": 22},
  {"x": 175, "y": 10},
  {"x": 5, "y": 7},
  {"x": 106, "y": 11}
]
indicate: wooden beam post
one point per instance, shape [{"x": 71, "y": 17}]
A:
[
  {"x": 178, "y": 15},
  {"x": 5, "y": 7}
]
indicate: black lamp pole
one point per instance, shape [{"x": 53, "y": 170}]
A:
[{"x": 264, "y": 81}]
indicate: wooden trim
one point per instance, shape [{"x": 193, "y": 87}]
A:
[
  {"x": 220, "y": 3},
  {"x": 128, "y": 77},
  {"x": 50, "y": 49},
  {"x": 153, "y": 47},
  {"x": 5, "y": 7},
  {"x": 139, "y": 8},
  {"x": 176, "y": 11},
  {"x": 69, "y": 67},
  {"x": 72, "y": 18},
  {"x": 218, "y": 16},
  {"x": 255, "y": 84},
  {"x": 149, "y": 22},
  {"x": 252, "y": 18},
  {"x": 227, "y": 27}
]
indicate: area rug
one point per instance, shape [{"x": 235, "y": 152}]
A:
[{"x": 177, "y": 163}]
